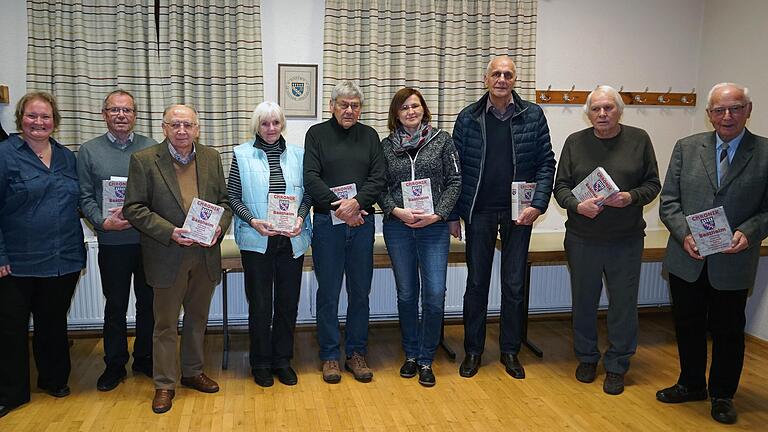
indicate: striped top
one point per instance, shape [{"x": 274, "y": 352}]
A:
[{"x": 276, "y": 180}]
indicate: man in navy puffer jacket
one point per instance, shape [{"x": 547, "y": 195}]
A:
[{"x": 500, "y": 139}]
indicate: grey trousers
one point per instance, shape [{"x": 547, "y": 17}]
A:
[
  {"x": 193, "y": 290},
  {"x": 619, "y": 262}
]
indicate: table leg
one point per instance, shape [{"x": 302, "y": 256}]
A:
[
  {"x": 225, "y": 321},
  {"x": 448, "y": 350},
  {"x": 526, "y": 291}
]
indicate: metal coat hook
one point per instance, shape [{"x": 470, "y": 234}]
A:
[
  {"x": 545, "y": 97},
  {"x": 567, "y": 95},
  {"x": 664, "y": 99},
  {"x": 639, "y": 99},
  {"x": 688, "y": 99}
]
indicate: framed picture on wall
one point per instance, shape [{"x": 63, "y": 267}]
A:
[{"x": 297, "y": 89}]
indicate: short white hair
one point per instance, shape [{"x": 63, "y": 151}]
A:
[
  {"x": 608, "y": 90},
  {"x": 346, "y": 89},
  {"x": 264, "y": 111},
  {"x": 721, "y": 85}
]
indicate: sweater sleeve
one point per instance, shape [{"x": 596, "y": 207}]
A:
[
  {"x": 650, "y": 186},
  {"x": 313, "y": 169},
  {"x": 376, "y": 179},
  {"x": 564, "y": 181},
  {"x": 88, "y": 203}
]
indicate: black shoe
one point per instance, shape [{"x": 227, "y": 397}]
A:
[
  {"x": 58, "y": 392},
  {"x": 426, "y": 376},
  {"x": 5, "y": 409},
  {"x": 586, "y": 372},
  {"x": 470, "y": 365},
  {"x": 263, "y": 377},
  {"x": 111, "y": 378},
  {"x": 513, "y": 366},
  {"x": 286, "y": 375},
  {"x": 680, "y": 393},
  {"x": 723, "y": 411},
  {"x": 142, "y": 367},
  {"x": 409, "y": 369},
  {"x": 613, "y": 384}
]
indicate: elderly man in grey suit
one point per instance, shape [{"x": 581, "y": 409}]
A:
[
  {"x": 163, "y": 180},
  {"x": 729, "y": 168}
]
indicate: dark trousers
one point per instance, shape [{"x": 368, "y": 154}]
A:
[
  {"x": 697, "y": 307},
  {"x": 117, "y": 264},
  {"x": 620, "y": 263},
  {"x": 481, "y": 244},
  {"x": 272, "y": 286},
  {"x": 47, "y": 299}
]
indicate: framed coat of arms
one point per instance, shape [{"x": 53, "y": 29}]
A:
[{"x": 297, "y": 89}]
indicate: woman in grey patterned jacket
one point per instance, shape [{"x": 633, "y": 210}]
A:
[{"x": 423, "y": 184}]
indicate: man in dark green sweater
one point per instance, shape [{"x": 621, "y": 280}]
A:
[
  {"x": 344, "y": 173},
  {"x": 605, "y": 237}
]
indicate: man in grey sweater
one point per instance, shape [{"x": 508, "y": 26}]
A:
[
  {"x": 604, "y": 235},
  {"x": 105, "y": 158}
]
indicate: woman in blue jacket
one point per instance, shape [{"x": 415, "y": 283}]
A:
[{"x": 272, "y": 258}]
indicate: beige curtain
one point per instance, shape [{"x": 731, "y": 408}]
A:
[
  {"x": 207, "y": 54},
  {"x": 441, "y": 47},
  {"x": 80, "y": 51},
  {"x": 211, "y": 51}
]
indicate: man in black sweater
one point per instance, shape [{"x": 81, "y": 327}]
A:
[{"x": 344, "y": 173}]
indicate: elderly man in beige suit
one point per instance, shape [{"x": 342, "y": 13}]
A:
[
  {"x": 729, "y": 168},
  {"x": 162, "y": 182}
]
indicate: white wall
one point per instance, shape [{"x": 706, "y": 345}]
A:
[
  {"x": 733, "y": 49},
  {"x": 13, "y": 56},
  {"x": 653, "y": 43}
]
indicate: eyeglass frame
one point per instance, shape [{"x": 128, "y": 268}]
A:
[
  {"x": 735, "y": 110},
  {"x": 178, "y": 125}
]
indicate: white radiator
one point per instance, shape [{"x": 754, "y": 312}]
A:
[{"x": 550, "y": 292}]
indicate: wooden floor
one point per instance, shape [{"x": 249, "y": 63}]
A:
[{"x": 548, "y": 399}]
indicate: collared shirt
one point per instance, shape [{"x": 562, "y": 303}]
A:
[
  {"x": 121, "y": 144},
  {"x": 732, "y": 146},
  {"x": 40, "y": 231},
  {"x": 503, "y": 116},
  {"x": 179, "y": 158}
]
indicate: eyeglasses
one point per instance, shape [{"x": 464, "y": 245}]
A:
[
  {"x": 344, "y": 105},
  {"x": 117, "y": 110},
  {"x": 179, "y": 125},
  {"x": 413, "y": 106},
  {"x": 734, "y": 110}
]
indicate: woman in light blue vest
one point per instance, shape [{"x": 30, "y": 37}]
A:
[{"x": 272, "y": 230}]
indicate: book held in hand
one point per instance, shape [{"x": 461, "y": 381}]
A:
[
  {"x": 282, "y": 211},
  {"x": 710, "y": 231},
  {"x": 417, "y": 195},
  {"x": 522, "y": 195},
  {"x": 112, "y": 195},
  {"x": 597, "y": 183},
  {"x": 346, "y": 191},
  {"x": 202, "y": 220}
]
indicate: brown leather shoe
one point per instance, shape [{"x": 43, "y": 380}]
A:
[
  {"x": 200, "y": 383},
  {"x": 162, "y": 400}
]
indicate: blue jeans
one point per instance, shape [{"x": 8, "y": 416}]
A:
[
  {"x": 339, "y": 250},
  {"x": 419, "y": 252},
  {"x": 481, "y": 244}
]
